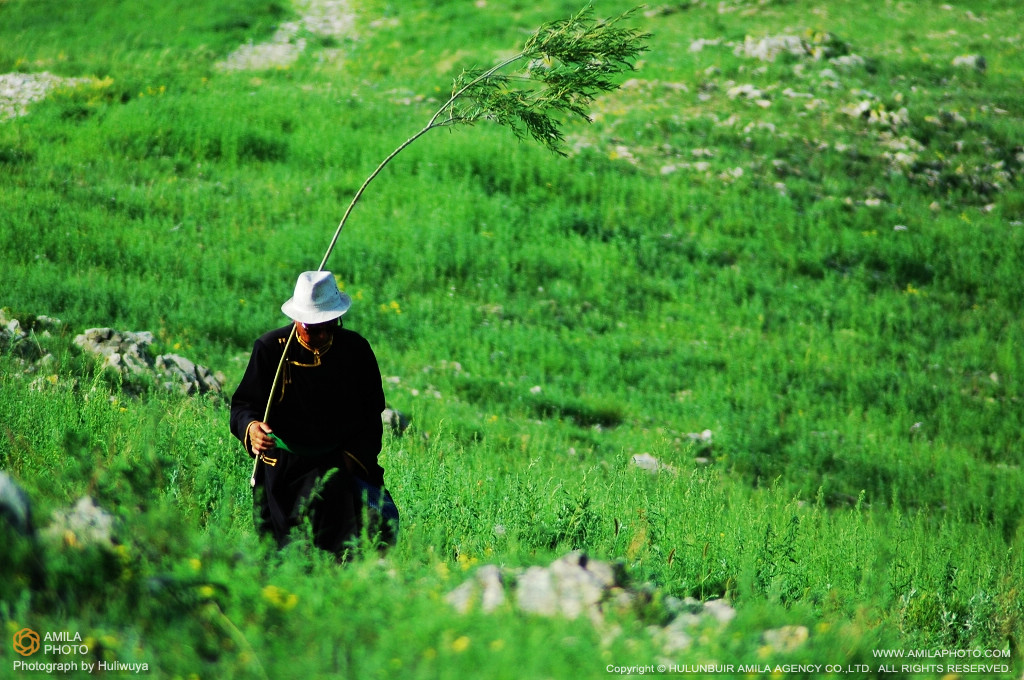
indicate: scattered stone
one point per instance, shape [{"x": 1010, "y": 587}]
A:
[
  {"x": 19, "y": 339},
  {"x": 283, "y": 50},
  {"x": 848, "y": 62},
  {"x": 487, "y": 588},
  {"x": 327, "y": 18},
  {"x": 186, "y": 376},
  {"x": 124, "y": 351},
  {"x": 746, "y": 91},
  {"x": 787, "y": 638},
  {"x": 974, "y": 61},
  {"x": 667, "y": 10},
  {"x": 15, "y": 507},
  {"x": 128, "y": 353},
  {"x": 574, "y": 586},
  {"x": 770, "y": 47},
  {"x": 699, "y": 44},
  {"x": 703, "y": 437},
  {"x": 396, "y": 420},
  {"x": 646, "y": 461},
  {"x": 84, "y": 524},
  {"x": 571, "y": 586},
  {"x": 720, "y": 610}
]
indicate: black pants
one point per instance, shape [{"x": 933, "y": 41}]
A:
[{"x": 317, "y": 487}]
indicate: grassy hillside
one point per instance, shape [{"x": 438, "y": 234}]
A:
[{"x": 796, "y": 229}]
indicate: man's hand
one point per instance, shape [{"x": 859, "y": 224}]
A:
[{"x": 259, "y": 438}]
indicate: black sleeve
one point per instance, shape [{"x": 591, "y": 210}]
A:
[
  {"x": 366, "y": 443},
  {"x": 249, "y": 402}
]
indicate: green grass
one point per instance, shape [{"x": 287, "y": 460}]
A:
[{"x": 844, "y": 320}]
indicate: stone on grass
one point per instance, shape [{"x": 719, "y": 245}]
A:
[
  {"x": 15, "y": 507},
  {"x": 574, "y": 586},
  {"x": 397, "y": 421},
  {"x": 128, "y": 353},
  {"x": 84, "y": 524},
  {"x": 786, "y": 638},
  {"x": 486, "y": 589}
]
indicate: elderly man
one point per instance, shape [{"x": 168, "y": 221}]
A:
[{"x": 317, "y": 449}]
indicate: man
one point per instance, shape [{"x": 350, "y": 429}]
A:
[{"x": 317, "y": 449}]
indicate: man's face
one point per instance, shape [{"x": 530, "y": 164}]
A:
[{"x": 315, "y": 334}]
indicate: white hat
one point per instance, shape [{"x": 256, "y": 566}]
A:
[{"x": 316, "y": 299}]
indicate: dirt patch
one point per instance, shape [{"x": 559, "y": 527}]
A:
[
  {"x": 19, "y": 90},
  {"x": 324, "y": 18}
]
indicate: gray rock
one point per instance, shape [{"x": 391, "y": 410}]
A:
[
  {"x": 128, "y": 353},
  {"x": 787, "y": 638},
  {"x": 535, "y": 592},
  {"x": 188, "y": 377},
  {"x": 575, "y": 585},
  {"x": 16, "y": 339},
  {"x": 975, "y": 61},
  {"x": 486, "y": 588},
  {"x": 646, "y": 461},
  {"x": 15, "y": 506},
  {"x": 396, "y": 420},
  {"x": 721, "y": 610},
  {"x": 84, "y": 524},
  {"x": 582, "y": 584},
  {"x": 570, "y": 587},
  {"x": 770, "y": 47},
  {"x": 124, "y": 351},
  {"x": 672, "y": 638}
]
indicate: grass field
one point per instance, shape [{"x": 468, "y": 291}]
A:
[{"x": 797, "y": 228}]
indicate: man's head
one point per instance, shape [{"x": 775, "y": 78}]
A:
[{"x": 316, "y": 300}]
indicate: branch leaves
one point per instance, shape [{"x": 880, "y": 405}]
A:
[{"x": 563, "y": 67}]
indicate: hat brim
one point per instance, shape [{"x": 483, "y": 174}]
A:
[{"x": 307, "y": 314}]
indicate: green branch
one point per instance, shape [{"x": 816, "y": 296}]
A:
[{"x": 565, "y": 65}]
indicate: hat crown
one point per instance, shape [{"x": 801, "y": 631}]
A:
[{"x": 316, "y": 298}]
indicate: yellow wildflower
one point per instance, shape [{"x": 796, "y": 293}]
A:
[{"x": 279, "y": 597}]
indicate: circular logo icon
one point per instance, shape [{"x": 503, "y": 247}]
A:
[{"x": 26, "y": 642}]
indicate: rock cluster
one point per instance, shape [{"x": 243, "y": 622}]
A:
[
  {"x": 125, "y": 352},
  {"x": 78, "y": 526},
  {"x": 85, "y": 523},
  {"x": 574, "y": 586},
  {"x": 16, "y": 337},
  {"x": 15, "y": 509},
  {"x": 128, "y": 354}
]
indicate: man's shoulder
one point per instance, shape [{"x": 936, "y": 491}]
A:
[
  {"x": 275, "y": 337},
  {"x": 350, "y": 338}
]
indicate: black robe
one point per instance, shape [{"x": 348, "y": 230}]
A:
[{"x": 331, "y": 401}]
